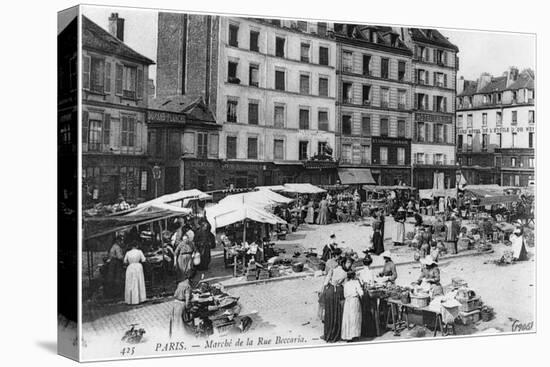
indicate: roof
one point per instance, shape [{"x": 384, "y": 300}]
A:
[
  {"x": 357, "y": 32},
  {"x": 526, "y": 79},
  {"x": 431, "y": 36},
  {"x": 193, "y": 107},
  {"x": 496, "y": 84},
  {"x": 97, "y": 38}
]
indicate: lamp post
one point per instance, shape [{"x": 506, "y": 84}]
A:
[{"x": 156, "y": 176}]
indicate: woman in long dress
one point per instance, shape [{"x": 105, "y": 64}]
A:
[
  {"x": 518, "y": 245},
  {"x": 310, "y": 213},
  {"x": 322, "y": 219},
  {"x": 204, "y": 242},
  {"x": 183, "y": 258},
  {"x": 366, "y": 278},
  {"x": 115, "y": 270},
  {"x": 399, "y": 233},
  {"x": 134, "y": 292},
  {"x": 182, "y": 299},
  {"x": 333, "y": 298},
  {"x": 352, "y": 318}
]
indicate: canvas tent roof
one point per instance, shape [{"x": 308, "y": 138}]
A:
[
  {"x": 272, "y": 188},
  {"x": 260, "y": 198},
  {"x": 183, "y": 195},
  {"x": 431, "y": 193},
  {"x": 222, "y": 215},
  {"x": 303, "y": 188}
]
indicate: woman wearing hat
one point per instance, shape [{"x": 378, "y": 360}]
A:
[
  {"x": 333, "y": 295},
  {"x": 134, "y": 291},
  {"x": 399, "y": 233},
  {"x": 183, "y": 258},
  {"x": 329, "y": 251},
  {"x": 519, "y": 252},
  {"x": 389, "y": 272},
  {"x": 351, "y": 316},
  {"x": 366, "y": 278},
  {"x": 430, "y": 276}
]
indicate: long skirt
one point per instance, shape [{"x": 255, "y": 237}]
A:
[
  {"x": 310, "y": 216},
  {"x": 204, "y": 250},
  {"x": 368, "y": 322},
  {"x": 114, "y": 279},
  {"x": 351, "y": 318},
  {"x": 399, "y": 234},
  {"x": 334, "y": 297},
  {"x": 134, "y": 292},
  {"x": 323, "y": 216},
  {"x": 185, "y": 266}
]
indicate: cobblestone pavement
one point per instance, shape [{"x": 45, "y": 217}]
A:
[{"x": 290, "y": 307}]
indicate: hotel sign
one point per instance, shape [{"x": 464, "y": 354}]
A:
[
  {"x": 390, "y": 141},
  {"x": 162, "y": 116},
  {"x": 426, "y": 117},
  {"x": 498, "y": 130}
]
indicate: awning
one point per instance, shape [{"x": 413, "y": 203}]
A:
[
  {"x": 180, "y": 198},
  {"x": 260, "y": 198},
  {"x": 355, "y": 176},
  {"x": 221, "y": 215},
  {"x": 303, "y": 188}
]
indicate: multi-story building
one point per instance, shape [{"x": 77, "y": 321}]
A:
[
  {"x": 271, "y": 84},
  {"x": 114, "y": 103},
  {"x": 435, "y": 64},
  {"x": 496, "y": 128},
  {"x": 374, "y": 131}
]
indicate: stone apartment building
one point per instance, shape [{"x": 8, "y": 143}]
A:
[
  {"x": 114, "y": 104},
  {"x": 496, "y": 128},
  {"x": 374, "y": 105},
  {"x": 271, "y": 86},
  {"x": 435, "y": 64}
]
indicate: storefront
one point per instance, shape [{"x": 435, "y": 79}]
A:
[{"x": 391, "y": 160}]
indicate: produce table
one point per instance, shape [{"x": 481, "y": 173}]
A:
[{"x": 396, "y": 306}]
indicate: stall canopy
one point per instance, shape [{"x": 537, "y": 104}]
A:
[
  {"x": 382, "y": 188},
  {"x": 222, "y": 215},
  {"x": 99, "y": 226},
  {"x": 490, "y": 194},
  {"x": 180, "y": 198},
  {"x": 276, "y": 188},
  {"x": 433, "y": 193},
  {"x": 260, "y": 198},
  {"x": 355, "y": 176},
  {"x": 303, "y": 188}
]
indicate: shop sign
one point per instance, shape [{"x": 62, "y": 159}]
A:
[
  {"x": 160, "y": 116},
  {"x": 390, "y": 141},
  {"x": 425, "y": 117}
]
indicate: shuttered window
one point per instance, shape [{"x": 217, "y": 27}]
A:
[
  {"x": 107, "y": 77},
  {"x": 365, "y": 126},
  {"x": 401, "y": 128},
  {"x": 86, "y": 72},
  {"x": 118, "y": 79},
  {"x": 231, "y": 147},
  {"x": 107, "y": 130},
  {"x": 84, "y": 127},
  {"x": 213, "y": 145}
]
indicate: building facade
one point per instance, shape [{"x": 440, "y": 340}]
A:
[
  {"x": 435, "y": 64},
  {"x": 271, "y": 86},
  {"x": 496, "y": 128},
  {"x": 374, "y": 104},
  {"x": 114, "y": 104}
]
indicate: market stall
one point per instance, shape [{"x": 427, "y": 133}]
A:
[{"x": 302, "y": 188}]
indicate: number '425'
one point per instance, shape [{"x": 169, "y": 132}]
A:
[{"x": 127, "y": 351}]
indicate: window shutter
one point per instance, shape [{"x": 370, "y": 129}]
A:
[
  {"x": 427, "y": 133},
  {"x": 434, "y": 133},
  {"x": 434, "y": 78},
  {"x": 445, "y": 104},
  {"x": 213, "y": 147},
  {"x": 434, "y": 103},
  {"x": 416, "y": 52},
  {"x": 84, "y": 127},
  {"x": 139, "y": 88},
  {"x": 445, "y": 133},
  {"x": 444, "y": 58},
  {"x": 107, "y": 130},
  {"x": 445, "y": 80},
  {"x": 415, "y": 131},
  {"x": 427, "y": 77},
  {"x": 86, "y": 72},
  {"x": 118, "y": 79},
  {"x": 107, "y": 77},
  {"x": 416, "y": 100}
]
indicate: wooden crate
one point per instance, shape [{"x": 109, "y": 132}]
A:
[{"x": 471, "y": 317}]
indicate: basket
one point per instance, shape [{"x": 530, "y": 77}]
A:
[
  {"x": 297, "y": 267},
  {"x": 420, "y": 300},
  {"x": 467, "y": 305},
  {"x": 468, "y": 318}
]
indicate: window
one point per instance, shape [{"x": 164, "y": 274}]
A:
[
  {"x": 460, "y": 141},
  {"x": 346, "y": 153},
  {"x": 402, "y": 99},
  {"x": 365, "y": 154},
  {"x": 302, "y": 26},
  {"x": 304, "y": 52},
  {"x": 323, "y": 120},
  {"x": 499, "y": 118},
  {"x": 531, "y": 140},
  {"x": 401, "y": 128},
  {"x": 459, "y": 121},
  {"x": 384, "y": 97},
  {"x": 384, "y": 127},
  {"x": 232, "y": 110},
  {"x": 347, "y": 61},
  {"x": 278, "y": 149},
  {"x": 254, "y": 36},
  {"x": 279, "y": 47},
  {"x": 484, "y": 142},
  {"x": 438, "y": 133},
  {"x": 97, "y": 75},
  {"x": 365, "y": 126},
  {"x": 385, "y": 68},
  {"x": 401, "y": 67},
  {"x": 304, "y": 119},
  {"x": 531, "y": 162},
  {"x": 420, "y": 158},
  {"x": 202, "y": 145},
  {"x": 231, "y": 147},
  {"x": 279, "y": 80},
  {"x": 253, "y": 75},
  {"x": 438, "y": 158},
  {"x": 421, "y": 76},
  {"x": 514, "y": 117},
  {"x": 421, "y": 101},
  {"x": 323, "y": 55},
  {"x": 321, "y": 147},
  {"x": 484, "y": 119},
  {"x": 174, "y": 145},
  {"x": 420, "y": 132},
  {"x": 440, "y": 57},
  {"x": 323, "y": 87},
  {"x": 499, "y": 140},
  {"x": 253, "y": 113},
  {"x": 400, "y": 156},
  {"x": 470, "y": 121},
  {"x": 347, "y": 93},
  {"x": 129, "y": 82},
  {"x": 252, "y": 148},
  {"x": 321, "y": 28},
  {"x": 439, "y": 79},
  {"x": 233, "y": 35},
  {"x": 128, "y": 131},
  {"x": 383, "y": 155},
  {"x": 94, "y": 135},
  {"x": 366, "y": 64},
  {"x": 514, "y": 139},
  {"x": 304, "y": 83},
  {"x": 279, "y": 116},
  {"x": 232, "y": 72},
  {"x": 366, "y": 94},
  {"x": 346, "y": 124},
  {"x": 531, "y": 116},
  {"x": 446, "y": 134},
  {"x": 302, "y": 150},
  {"x": 440, "y": 104},
  {"x": 469, "y": 142},
  {"x": 469, "y": 161},
  {"x": 513, "y": 161}
]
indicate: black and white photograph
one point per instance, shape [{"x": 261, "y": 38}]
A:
[{"x": 244, "y": 182}]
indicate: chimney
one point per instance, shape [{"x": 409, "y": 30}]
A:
[
  {"x": 512, "y": 75},
  {"x": 116, "y": 26},
  {"x": 484, "y": 79},
  {"x": 460, "y": 85}
]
